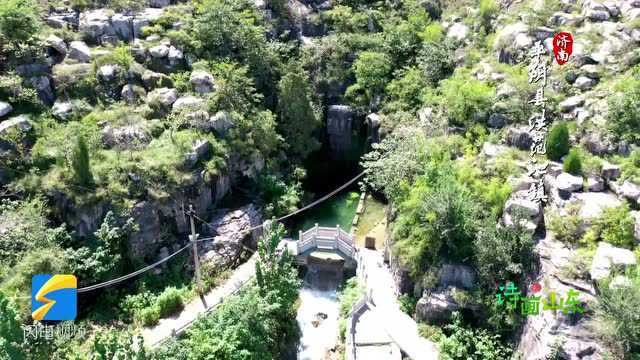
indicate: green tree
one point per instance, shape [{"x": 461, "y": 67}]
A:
[
  {"x": 80, "y": 163},
  {"x": 464, "y": 98},
  {"x": 624, "y": 112},
  {"x": 436, "y": 62},
  {"x": 467, "y": 343},
  {"x": 19, "y": 20},
  {"x": 298, "y": 119},
  {"x": 557, "y": 144},
  {"x": 10, "y": 330},
  {"x": 572, "y": 163},
  {"x": 372, "y": 70},
  {"x": 439, "y": 219}
]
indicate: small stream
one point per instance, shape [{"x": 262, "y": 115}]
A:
[{"x": 318, "y": 316}]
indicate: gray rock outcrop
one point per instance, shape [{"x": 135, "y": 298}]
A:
[
  {"x": 608, "y": 257},
  {"x": 339, "y": 127},
  {"x": 230, "y": 230}
]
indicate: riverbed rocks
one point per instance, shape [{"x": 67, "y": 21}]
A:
[{"x": 519, "y": 137}]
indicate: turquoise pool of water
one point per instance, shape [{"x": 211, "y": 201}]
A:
[{"x": 338, "y": 210}]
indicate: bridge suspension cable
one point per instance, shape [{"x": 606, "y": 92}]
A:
[{"x": 161, "y": 261}]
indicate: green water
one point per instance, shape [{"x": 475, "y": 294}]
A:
[{"x": 338, "y": 210}]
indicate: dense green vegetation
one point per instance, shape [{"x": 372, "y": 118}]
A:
[{"x": 80, "y": 189}]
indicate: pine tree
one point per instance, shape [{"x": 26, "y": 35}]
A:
[{"x": 81, "y": 163}]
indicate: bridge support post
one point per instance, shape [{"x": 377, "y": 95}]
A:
[
  {"x": 335, "y": 244},
  {"x": 299, "y": 235}
]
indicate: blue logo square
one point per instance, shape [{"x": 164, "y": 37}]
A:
[{"x": 54, "y": 297}]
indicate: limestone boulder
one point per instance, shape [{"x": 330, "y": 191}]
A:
[
  {"x": 61, "y": 19},
  {"x": 519, "y": 137},
  {"x": 175, "y": 57},
  {"x": 188, "y": 103},
  {"x": 199, "y": 152},
  {"x": 458, "y": 31},
  {"x": 123, "y": 26},
  {"x": 96, "y": 24},
  {"x": 636, "y": 228},
  {"x": 164, "y": 97},
  {"x": 145, "y": 18},
  {"x": 125, "y": 137},
  {"x": 108, "y": 73},
  {"x": 5, "y": 109},
  {"x": 436, "y": 308},
  {"x": 571, "y": 103},
  {"x": 592, "y": 204},
  {"x": 202, "y": 82},
  {"x": 44, "y": 88},
  {"x": 610, "y": 171},
  {"x": 608, "y": 257},
  {"x": 595, "y": 184},
  {"x": 159, "y": 51},
  {"x": 222, "y": 122},
  {"x": 230, "y": 231},
  {"x": 627, "y": 190},
  {"x": 511, "y": 43},
  {"x": 79, "y": 51},
  {"x": 18, "y": 123},
  {"x": 153, "y": 80},
  {"x": 132, "y": 94},
  {"x": 62, "y": 110},
  {"x": 56, "y": 44},
  {"x": 158, "y": 3},
  {"x": 566, "y": 182},
  {"x": 585, "y": 83}
]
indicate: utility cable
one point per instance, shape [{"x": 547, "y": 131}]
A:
[{"x": 159, "y": 262}]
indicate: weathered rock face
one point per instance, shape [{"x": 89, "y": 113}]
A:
[
  {"x": 575, "y": 337},
  {"x": 19, "y": 123},
  {"x": 147, "y": 237},
  {"x": 126, "y": 137},
  {"x": 511, "y": 43},
  {"x": 79, "y": 51},
  {"x": 62, "y": 110},
  {"x": 519, "y": 137},
  {"x": 607, "y": 257},
  {"x": 202, "y": 82},
  {"x": 518, "y": 206},
  {"x": 221, "y": 122},
  {"x": 230, "y": 232},
  {"x": 461, "y": 276},
  {"x": 436, "y": 308},
  {"x": 373, "y": 128},
  {"x": 339, "y": 127},
  {"x": 43, "y": 87},
  {"x": 627, "y": 190}
]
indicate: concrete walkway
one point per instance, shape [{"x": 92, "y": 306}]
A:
[
  {"x": 401, "y": 328},
  {"x": 177, "y": 324}
]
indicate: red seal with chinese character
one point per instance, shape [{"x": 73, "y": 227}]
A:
[{"x": 562, "y": 47}]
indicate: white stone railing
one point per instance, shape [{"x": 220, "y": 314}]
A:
[{"x": 326, "y": 238}]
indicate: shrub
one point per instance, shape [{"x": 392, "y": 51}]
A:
[
  {"x": 349, "y": 295},
  {"x": 465, "y": 99},
  {"x": 407, "y": 304},
  {"x": 372, "y": 70},
  {"x": 148, "y": 316},
  {"x": 569, "y": 227},
  {"x": 630, "y": 166},
  {"x": 579, "y": 265},
  {"x": 436, "y": 62},
  {"x": 616, "y": 315},
  {"x": 488, "y": 9},
  {"x": 572, "y": 163},
  {"x": 615, "y": 226},
  {"x": 169, "y": 301},
  {"x": 431, "y": 332},
  {"x": 467, "y": 343},
  {"x": 18, "y": 20},
  {"x": 557, "y": 144},
  {"x": 624, "y": 112}
]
